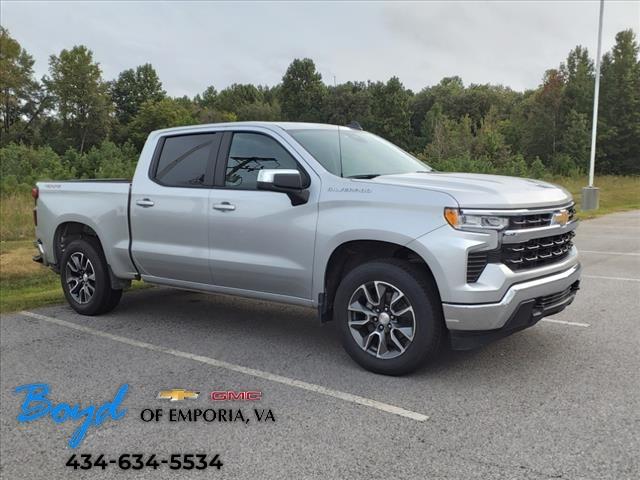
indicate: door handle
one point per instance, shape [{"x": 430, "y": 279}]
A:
[
  {"x": 224, "y": 207},
  {"x": 145, "y": 202}
]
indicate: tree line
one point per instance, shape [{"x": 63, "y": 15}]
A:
[{"x": 74, "y": 123}]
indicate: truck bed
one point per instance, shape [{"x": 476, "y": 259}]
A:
[{"x": 101, "y": 204}]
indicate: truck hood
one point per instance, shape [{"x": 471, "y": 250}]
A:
[{"x": 472, "y": 190}]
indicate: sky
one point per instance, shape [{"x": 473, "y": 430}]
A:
[{"x": 196, "y": 44}]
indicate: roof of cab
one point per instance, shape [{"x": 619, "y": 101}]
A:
[{"x": 270, "y": 125}]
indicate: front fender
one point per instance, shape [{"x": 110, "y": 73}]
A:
[{"x": 364, "y": 214}]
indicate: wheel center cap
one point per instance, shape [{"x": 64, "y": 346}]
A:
[
  {"x": 85, "y": 277},
  {"x": 384, "y": 318}
]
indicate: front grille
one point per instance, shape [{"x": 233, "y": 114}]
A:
[
  {"x": 530, "y": 221},
  {"x": 535, "y": 220},
  {"x": 549, "y": 301},
  {"x": 537, "y": 252},
  {"x": 476, "y": 262},
  {"x": 534, "y": 253}
]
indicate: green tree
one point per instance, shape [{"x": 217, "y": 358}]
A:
[
  {"x": 445, "y": 94},
  {"x": 81, "y": 96},
  {"x": 168, "y": 112},
  {"x": 390, "y": 112},
  {"x": 490, "y": 144},
  {"x": 516, "y": 167},
  {"x": 207, "y": 99},
  {"x": 111, "y": 161},
  {"x": 236, "y": 96},
  {"x": 451, "y": 140},
  {"x": 563, "y": 164},
  {"x": 542, "y": 115},
  {"x": 215, "y": 116},
  {"x": 428, "y": 127},
  {"x": 348, "y": 102},
  {"x": 22, "y": 100},
  {"x": 537, "y": 169},
  {"x": 132, "y": 88},
  {"x": 270, "y": 95},
  {"x": 259, "y": 111},
  {"x": 302, "y": 92},
  {"x": 579, "y": 79},
  {"x": 618, "y": 145},
  {"x": 21, "y": 166},
  {"x": 576, "y": 137},
  {"x": 478, "y": 100}
]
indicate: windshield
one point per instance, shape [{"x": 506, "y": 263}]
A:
[{"x": 356, "y": 154}]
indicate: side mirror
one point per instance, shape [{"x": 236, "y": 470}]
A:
[{"x": 287, "y": 181}]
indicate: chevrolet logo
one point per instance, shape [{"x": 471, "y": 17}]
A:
[
  {"x": 561, "y": 217},
  {"x": 177, "y": 394}
]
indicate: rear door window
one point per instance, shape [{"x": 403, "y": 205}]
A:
[{"x": 186, "y": 160}]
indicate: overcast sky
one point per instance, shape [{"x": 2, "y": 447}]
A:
[{"x": 196, "y": 44}]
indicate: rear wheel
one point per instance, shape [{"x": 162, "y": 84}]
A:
[
  {"x": 85, "y": 279},
  {"x": 389, "y": 315}
]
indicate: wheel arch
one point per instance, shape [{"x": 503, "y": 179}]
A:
[
  {"x": 68, "y": 231},
  {"x": 348, "y": 255}
]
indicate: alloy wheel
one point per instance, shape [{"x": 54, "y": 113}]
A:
[
  {"x": 80, "y": 277},
  {"x": 381, "y": 319}
]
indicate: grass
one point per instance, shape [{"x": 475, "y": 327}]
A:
[
  {"x": 26, "y": 284},
  {"x": 16, "y": 214},
  {"x": 617, "y": 194}
]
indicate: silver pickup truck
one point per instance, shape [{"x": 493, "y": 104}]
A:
[{"x": 402, "y": 257}]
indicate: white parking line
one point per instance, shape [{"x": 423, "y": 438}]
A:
[
  {"x": 610, "y": 253},
  {"x": 573, "y": 324},
  {"x": 622, "y": 279},
  {"x": 347, "y": 397}
]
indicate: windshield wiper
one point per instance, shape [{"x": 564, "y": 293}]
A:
[{"x": 367, "y": 176}]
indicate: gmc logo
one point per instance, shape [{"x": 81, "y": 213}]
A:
[{"x": 230, "y": 395}]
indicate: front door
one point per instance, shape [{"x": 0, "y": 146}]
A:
[{"x": 258, "y": 240}]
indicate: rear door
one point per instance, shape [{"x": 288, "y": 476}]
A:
[
  {"x": 259, "y": 241},
  {"x": 170, "y": 209}
]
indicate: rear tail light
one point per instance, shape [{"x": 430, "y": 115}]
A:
[{"x": 35, "y": 193}]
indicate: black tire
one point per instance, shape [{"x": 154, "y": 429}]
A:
[
  {"x": 113, "y": 302},
  {"x": 422, "y": 295},
  {"x": 104, "y": 298}
]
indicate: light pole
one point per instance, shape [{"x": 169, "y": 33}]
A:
[{"x": 591, "y": 194}]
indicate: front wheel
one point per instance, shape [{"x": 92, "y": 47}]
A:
[
  {"x": 389, "y": 315},
  {"x": 85, "y": 279}
]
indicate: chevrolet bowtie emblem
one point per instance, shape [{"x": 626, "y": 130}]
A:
[
  {"x": 177, "y": 394},
  {"x": 561, "y": 217}
]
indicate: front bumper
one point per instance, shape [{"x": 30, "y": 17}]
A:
[{"x": 494, "y": 316}]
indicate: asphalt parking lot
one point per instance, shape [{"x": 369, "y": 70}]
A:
[{"x": 559, "y": 400}]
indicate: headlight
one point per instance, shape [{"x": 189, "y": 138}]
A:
[{"x": 466, "y": 221}]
